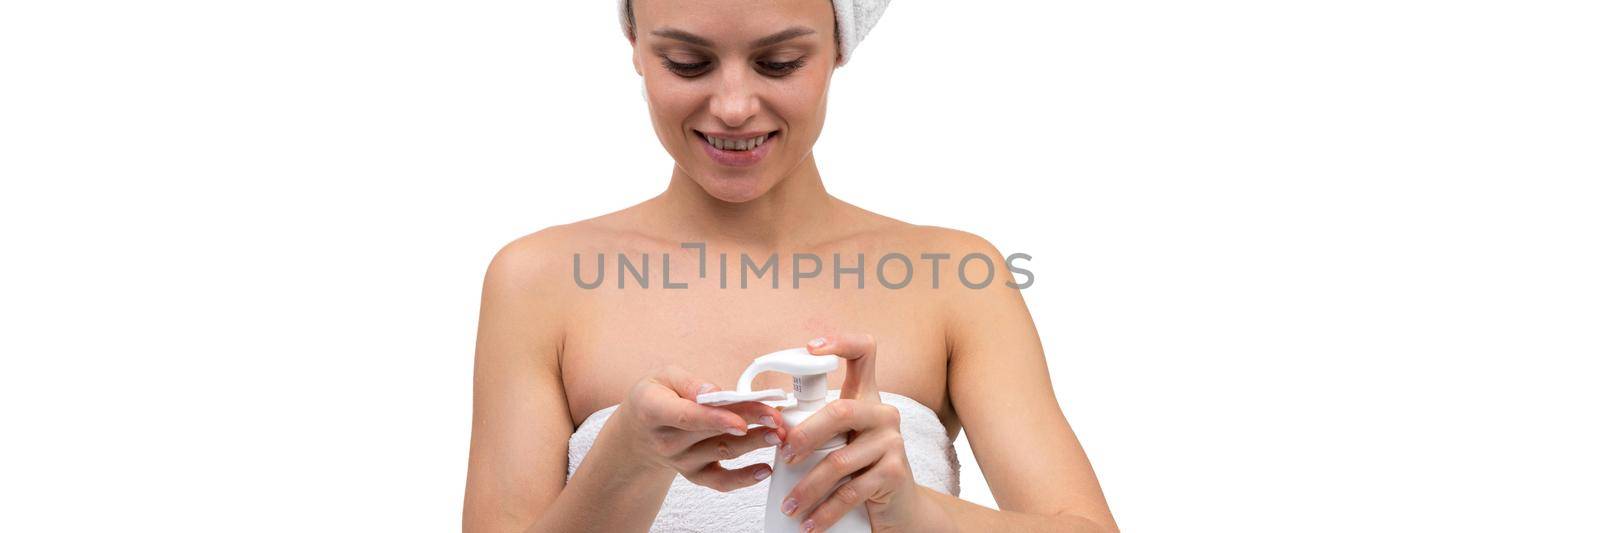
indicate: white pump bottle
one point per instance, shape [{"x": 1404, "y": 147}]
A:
[{"x": 810, "y": 395}]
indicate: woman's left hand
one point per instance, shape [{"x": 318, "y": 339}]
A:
[{"x": 875, "y": 456}]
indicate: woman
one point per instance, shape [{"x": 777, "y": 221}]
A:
[{"x": 584, "y": 416}]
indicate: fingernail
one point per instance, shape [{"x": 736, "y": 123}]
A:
[
  {"x": 706, "y": 387},
  {"x": 809, "y": 524},
  {"x": 817, "y": 342},
  {"x": 736, "y": 431},
  {"x": 762, "y": 473},
  {"x": 772, "y": 438},
  {"x": 766, "y": 420},
  {"x": 789, "y": 506},
  {"x": 788, "y": 452}
]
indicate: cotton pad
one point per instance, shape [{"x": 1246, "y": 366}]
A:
[{"x": 727, "y": 397}]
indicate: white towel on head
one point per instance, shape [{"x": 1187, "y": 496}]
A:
[{"x": 855, "y": 18}]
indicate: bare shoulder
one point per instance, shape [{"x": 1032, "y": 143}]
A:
[
  {"x": 977, "y": 263},
  {"x": 892, "y": 231},
  {"x": 540, "y": 261},
  {"x": 531, "y": 263},
  {"x": 961, "y": 276},
  {"x": 951, "y": 240}
]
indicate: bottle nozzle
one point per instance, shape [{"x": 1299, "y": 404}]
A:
[
  {"x": 794, "y": 361},
  {"x": 810, "y": 378}
]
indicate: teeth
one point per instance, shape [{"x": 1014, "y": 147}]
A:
[{"x": 737, "y": 145}]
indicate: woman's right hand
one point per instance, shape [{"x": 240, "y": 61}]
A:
[{"x": 666, "y": 427}]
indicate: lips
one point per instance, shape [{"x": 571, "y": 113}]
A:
[{"x": 738, "y": 158}]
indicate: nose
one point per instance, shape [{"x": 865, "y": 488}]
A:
[{"x": 735, "y": 99}]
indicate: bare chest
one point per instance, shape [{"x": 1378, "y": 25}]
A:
[{"x": 616, "y": 337}]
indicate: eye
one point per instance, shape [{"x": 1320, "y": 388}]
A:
[
  {"x": 779, "y": 69},
  {"x": 687, "y": 70}
]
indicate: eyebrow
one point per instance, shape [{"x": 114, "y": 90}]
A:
[{"x": 674, "y": 33}]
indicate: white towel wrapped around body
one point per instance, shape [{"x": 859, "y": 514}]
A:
[{"x": 691, "y": 507}]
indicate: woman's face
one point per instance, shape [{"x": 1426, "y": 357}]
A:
[{"x": 722, "y": 75}]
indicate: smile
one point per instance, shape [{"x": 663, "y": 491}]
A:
[{"x": 737, "y": 150}]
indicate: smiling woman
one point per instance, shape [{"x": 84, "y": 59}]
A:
[
  {"x": 737, "y": 111},
  {"x": 584, "y": 411}
]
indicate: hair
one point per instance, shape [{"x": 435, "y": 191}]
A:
[{"x": 629, "y": 26}]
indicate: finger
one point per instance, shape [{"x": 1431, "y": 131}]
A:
[
  {"x": 816, "y": 485},
  {"x": 761, "y": 436},
  {"x": 759, "y": 414},
  {"x": 837, "y": 417},
  {"x": 860, "y": 353},
  {"x": 664, "y": 408},
  {"x": 869, "y": 485},
  {"x": 722, "y": 448},
  {"x": 684, "y": 413},
  {"x": 687, "y": 385},
  {"x": 724, "y": 480}
]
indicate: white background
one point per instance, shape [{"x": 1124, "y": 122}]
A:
[{"x": 1301, "y": 266}]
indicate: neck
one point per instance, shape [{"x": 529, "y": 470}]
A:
[{"x": 790, "y": 214}]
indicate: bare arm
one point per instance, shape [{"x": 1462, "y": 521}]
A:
[
  {"x": 516, "y": 471},
  {"x": 516, "y": 474},
  {"x": 1036, "y": 468}
]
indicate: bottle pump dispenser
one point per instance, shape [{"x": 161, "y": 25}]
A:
[{"x": 810, "y": 395}]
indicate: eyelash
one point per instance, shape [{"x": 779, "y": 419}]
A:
[{"x": 690, "y": 70}]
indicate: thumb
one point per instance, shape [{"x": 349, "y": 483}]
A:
[
  {"x": 688, "y": 386},
  {"x": 860, "y": 354}
]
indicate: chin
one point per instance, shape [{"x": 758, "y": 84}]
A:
[{"x": 734, "y": 189}]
